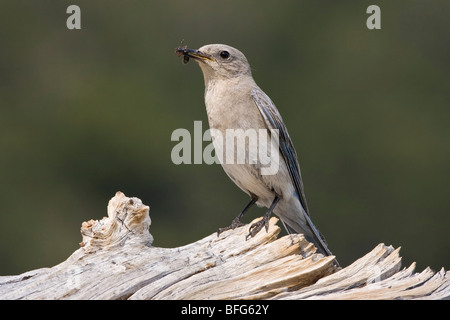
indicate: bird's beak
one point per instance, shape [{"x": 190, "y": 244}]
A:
[{"x": 192, "y": 53}]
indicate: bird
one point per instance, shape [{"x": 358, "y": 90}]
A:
[{"x": 233, "y": 100}]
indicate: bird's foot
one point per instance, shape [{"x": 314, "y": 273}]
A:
[
  {"x": 234, "y": 224},
  {"x": 257, "y": 226}
]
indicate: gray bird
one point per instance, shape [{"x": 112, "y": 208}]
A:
[{"x": 234, "y": 101}]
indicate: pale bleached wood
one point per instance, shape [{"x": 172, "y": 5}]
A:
[{"x": 116, "y": 260}]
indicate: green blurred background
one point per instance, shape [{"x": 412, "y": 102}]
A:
[{"x": 88, "y": 112}]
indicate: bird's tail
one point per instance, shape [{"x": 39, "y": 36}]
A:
[
  {"x": 311, "y": 233},
  {"x": 323, "y": 249}
]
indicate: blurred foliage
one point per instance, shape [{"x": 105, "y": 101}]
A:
[{"x": 88, "y": 112}]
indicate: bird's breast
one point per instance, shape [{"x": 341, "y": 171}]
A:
[
  {"x": 236, "y": 121},
  {"x": 232, "y": 107}
]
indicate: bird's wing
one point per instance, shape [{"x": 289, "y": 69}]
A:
[{"x": 273, "y": 121}]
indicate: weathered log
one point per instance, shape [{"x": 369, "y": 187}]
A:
[{"x": 116, "y": 260}]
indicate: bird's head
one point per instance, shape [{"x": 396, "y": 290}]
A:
[{"x": 218, "y": 61}]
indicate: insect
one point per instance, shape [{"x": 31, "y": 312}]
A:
[{"x": 180, "y": 52}]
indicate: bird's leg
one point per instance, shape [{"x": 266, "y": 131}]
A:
[
  {"x": 237, "y": 221},
  {"x": 264, "y": 222}
]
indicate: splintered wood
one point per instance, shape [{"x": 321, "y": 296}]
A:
[{"x": 117, "y": 261}]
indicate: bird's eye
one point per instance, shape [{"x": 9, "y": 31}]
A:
[{"x": 224, "y": 54}]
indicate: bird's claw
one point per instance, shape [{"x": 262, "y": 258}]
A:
[
  {"x": 234, "y": 224},
  {"x": 257, "y": 226}
]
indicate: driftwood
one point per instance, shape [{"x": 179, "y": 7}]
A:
[{"x": 117, "y": 261}]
